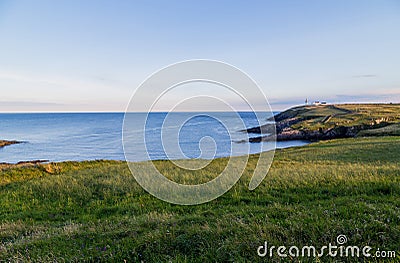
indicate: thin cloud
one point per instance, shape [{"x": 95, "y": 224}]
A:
[
  {"x": 27, "y": 104},
  {"x": 57, "y": 81},
  {"x": 365, "y": 76},
  {"x": 384, "y": 97}
]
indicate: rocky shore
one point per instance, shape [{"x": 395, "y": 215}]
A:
[
  {"x": 6, "y": 143},
  {"x": 314, "y": 123}
]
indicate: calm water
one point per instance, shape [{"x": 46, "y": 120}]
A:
[{"x": 90, "y": 136}]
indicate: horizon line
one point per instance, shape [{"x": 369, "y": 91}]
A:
[{"x": 188, "y": 111}]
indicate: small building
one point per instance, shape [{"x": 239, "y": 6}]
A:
[{"x": 317, "y": 103}]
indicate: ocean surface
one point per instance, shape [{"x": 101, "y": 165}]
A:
[{"x": 91, "y": 136}]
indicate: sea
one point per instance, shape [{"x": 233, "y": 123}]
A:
[{"x": 57, "y": 137}]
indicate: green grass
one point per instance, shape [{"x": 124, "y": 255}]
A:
[
  {"x": 392, "y": 130},
  {"x": 347, "y": 115},
  {"x": 95, "y": 211}
]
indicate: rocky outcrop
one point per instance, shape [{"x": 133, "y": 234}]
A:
[
  {"x": 5, "y": 143},
  {"x": 272, "y": 128},
  {"x": 291, "y": 134},
  {"x": 323, "y": 123}
]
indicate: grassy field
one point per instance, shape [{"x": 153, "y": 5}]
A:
[
  {"x": 330, "y": 116},
  {"x": 95, "y": 211}
]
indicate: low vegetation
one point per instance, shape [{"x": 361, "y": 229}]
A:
[
  {"x": 347, "y": 115},
  {"x": 95, "y": 211},
  {"x": 324, "y": 122}
]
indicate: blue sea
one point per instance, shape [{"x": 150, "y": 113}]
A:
[{"x": 91, "y": 136}]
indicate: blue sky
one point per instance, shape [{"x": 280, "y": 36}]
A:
[{"x": 91, "y": 55}]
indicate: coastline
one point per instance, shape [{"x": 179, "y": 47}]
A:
[
  {"x": 326, "y": 122},
  {"x": 4, "y": 143},
  {"x": 35, "y": 162}
]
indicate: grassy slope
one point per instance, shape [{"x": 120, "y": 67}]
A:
[
  {"x": 96, "y": 210},
  {"x": 347, "y": 115}
]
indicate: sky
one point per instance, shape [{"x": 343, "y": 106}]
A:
[{"x": 92, "y": 55}]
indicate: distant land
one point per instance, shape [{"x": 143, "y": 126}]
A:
[
  {"x": 5, "y": 143},
  {"x": 324, "y": 122}
]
